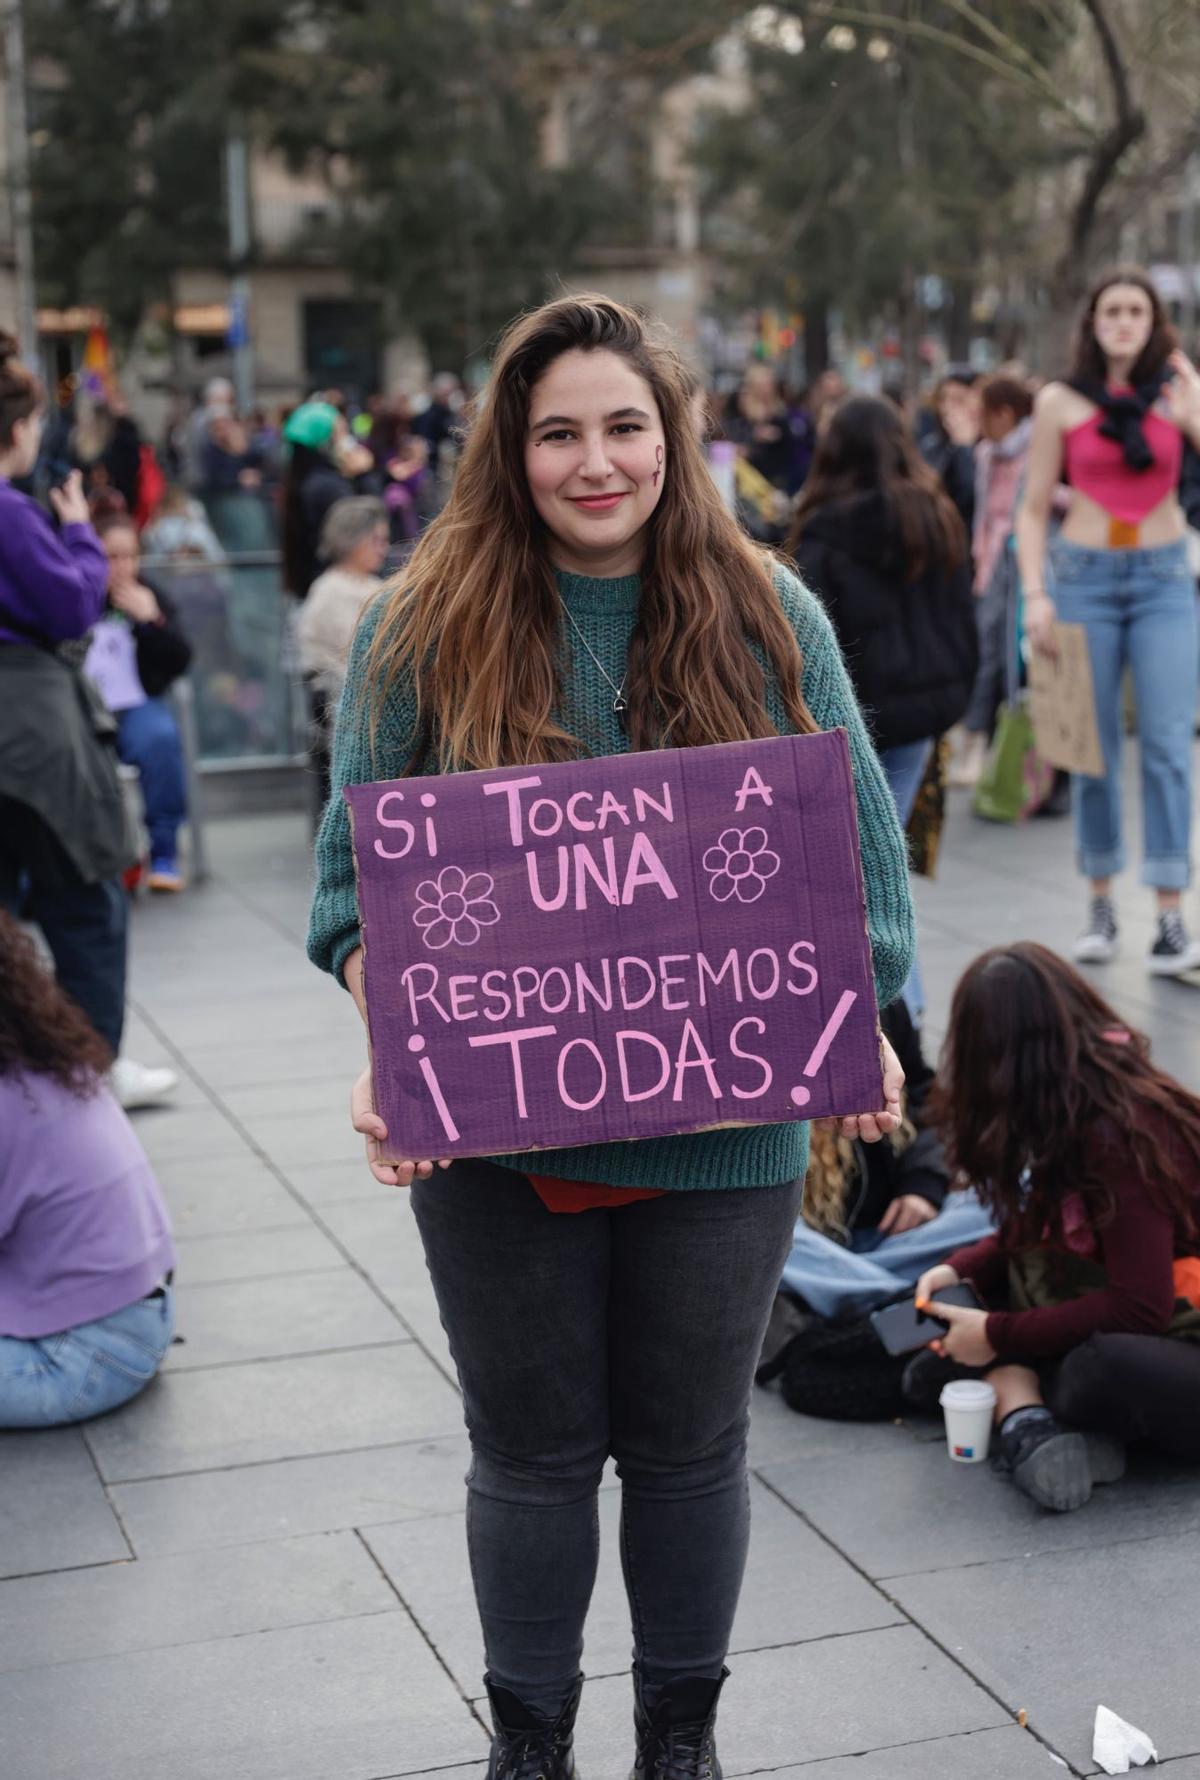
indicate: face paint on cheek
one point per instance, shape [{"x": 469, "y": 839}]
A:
[{"x": 658, "y": 464}]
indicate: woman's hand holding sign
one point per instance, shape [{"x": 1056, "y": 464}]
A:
[
  {"x": 363, "y": 1116},
  {"x": 873, "y": 1126},
  {"x": 365, "y": 1119}
]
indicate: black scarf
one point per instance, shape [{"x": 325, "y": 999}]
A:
[{"x": 1124, "y": 413}]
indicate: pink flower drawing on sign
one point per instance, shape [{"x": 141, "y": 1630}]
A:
[
  {"x": 740, "y": 864},
  {"x": 455, "y": 907}
]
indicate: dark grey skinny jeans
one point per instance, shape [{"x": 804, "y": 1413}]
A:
[{"x": 631, "y": 1331}]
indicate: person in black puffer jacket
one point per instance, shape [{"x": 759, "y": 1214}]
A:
[{"x": 876, "y": 537}]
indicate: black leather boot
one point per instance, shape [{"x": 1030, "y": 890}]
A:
[
  {"x": 527, "y": 1745},
  {"x": 675, "y": 1737}
]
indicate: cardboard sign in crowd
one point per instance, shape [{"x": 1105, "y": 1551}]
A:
[
  {"x": 616, "y": 948},
  {"x": 1062, "y": 703}
]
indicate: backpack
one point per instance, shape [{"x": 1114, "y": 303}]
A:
[{"x": 839, "y": 1372}]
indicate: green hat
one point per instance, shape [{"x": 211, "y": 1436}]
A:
[{"x": 311, "y": 424}]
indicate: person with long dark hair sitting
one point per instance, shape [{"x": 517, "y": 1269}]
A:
[
  {"x": 1089, "y": 1157},
  {"x": 86, "y": 1257}
]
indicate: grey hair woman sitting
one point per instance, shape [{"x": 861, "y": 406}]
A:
[{"x": 354, "y": 542}]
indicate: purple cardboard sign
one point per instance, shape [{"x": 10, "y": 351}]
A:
[{"x": 616, "y": 948}]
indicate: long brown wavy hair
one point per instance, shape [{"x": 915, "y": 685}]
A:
[
  {"x": 1090, "y": 360},
  {"x": 1034, "y": 1062},
  {"x": 474, "y": 619},
  {"x": 42, "y": 1032},
  {"x": 867, "y": 448}
]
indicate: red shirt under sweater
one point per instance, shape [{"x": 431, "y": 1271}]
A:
[{"x": 1137, "y": 1251}]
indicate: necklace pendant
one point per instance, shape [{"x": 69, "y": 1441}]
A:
[{"x": 619, "y": 703}]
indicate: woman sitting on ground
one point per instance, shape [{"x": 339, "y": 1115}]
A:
[
  {"x": 86, "y": 1306},
  {"x": 1089, "y": 1156},
  {"x": 876, "y": 1216}
]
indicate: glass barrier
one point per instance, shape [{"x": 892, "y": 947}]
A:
[{"x": 248, "y": 699}]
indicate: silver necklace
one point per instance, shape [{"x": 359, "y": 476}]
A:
[{"x": 619, "y": 701}]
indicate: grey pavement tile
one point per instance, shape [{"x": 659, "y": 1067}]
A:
[
  {"x": 1009, "y": 1754},
  {"x": 1187, "y": 1769},
  {"x": 347, "y": 1700},
  {"x": 329, "y": 1183},
  {"x": 296, "y": 1313},
  {"x": 796, "y": 1588},
  {"x": 778, "y": 1434},
  {"x": 299, "y": 1247},
  {"x": 293, "y": 1496},
  {"x": 170, "y": 1133},
  {"x": 935, "y": 1515},
  {"x": 222, "y": 1194},
  {"x": 338, "y": 1054},
  {"x": 321, "y": 1093},
  {"x": 53, "y": 1509},
  {"x": 381, "y": 1234},
  {"x": 808, "y": 1702},
  {"x": 301, "y": 1137},
  {"x": 274, "y": 1409},
  {"x": 1067, "y": 1630},
  {"x": 187, "y": 1599}
]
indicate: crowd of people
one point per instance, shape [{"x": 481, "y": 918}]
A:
[{"x": 548, "y": 550}]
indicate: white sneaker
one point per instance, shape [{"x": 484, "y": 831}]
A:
[
  {"x": 1098, "y": 944},
  {"x": 136, "y": 1085}
]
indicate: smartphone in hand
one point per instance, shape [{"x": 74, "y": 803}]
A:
[{"x": 902, "y": 1328}]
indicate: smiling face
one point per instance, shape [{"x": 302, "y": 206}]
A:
[
  {"x": 595, "y": 461},
  {"x": 1122, "y": 322}
]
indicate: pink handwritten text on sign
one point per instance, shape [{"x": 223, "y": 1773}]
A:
[{"x": 616, "y": 948}]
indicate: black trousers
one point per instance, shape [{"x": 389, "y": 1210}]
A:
[
  {"x": 1138, "y": 1387},
  {"x": 86, "y": 925}
]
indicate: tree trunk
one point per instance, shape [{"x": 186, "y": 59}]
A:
[
  {"x": 816, "y": 337},
  {"x": 958, "y": 320}
]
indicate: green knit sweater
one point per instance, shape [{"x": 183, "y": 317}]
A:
[{"x": 605, "y": 611}]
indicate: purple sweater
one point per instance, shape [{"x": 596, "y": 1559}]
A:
[
  {"x": 83, "y": 1228},
  {"x": 52, "y": 581}
]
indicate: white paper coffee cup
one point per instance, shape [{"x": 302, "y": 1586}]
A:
[{"x": 967, "y": 1405}]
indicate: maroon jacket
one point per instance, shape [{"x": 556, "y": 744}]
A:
[{"x": 1137, "y": 1251}]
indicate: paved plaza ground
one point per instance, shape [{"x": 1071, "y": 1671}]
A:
[{"x": 257, "y": 1570}]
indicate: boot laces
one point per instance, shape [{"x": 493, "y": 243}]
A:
[
  {"x": 685, "y": 1753},
  {"x": 530, "y": 1755}
]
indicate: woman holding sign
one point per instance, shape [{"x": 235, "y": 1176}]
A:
[
  {"x": 585, "y": 593},
  {"x": 1115, "y": 430}
]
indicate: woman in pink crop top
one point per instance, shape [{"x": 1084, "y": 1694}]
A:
[{"x": 1116, "y": 431}]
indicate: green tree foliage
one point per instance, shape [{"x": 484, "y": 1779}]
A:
[{"x": 130, "y": 103}]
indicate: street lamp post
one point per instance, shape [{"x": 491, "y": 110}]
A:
[
  {"x": 237, "y": 190},
  {"x": 18, "y": 177}
]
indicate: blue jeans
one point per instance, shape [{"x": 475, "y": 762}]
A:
[
  {"x": 904, "y": 767},
  {"x": 1138, "y": 607},
  {"x": 85, "y": 925},
  {"x": 838, "y": 1281},
  {"x": 86, "y": 1370},
  {"x": 630, "y": 1331},
  {"x": 148, "y": 738}
]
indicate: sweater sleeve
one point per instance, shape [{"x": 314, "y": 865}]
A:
[
  {"x": 333, "y": 922},
  {"x": 59, "y": 579},
  {"x": 830, "y": 697},
  {"x": 1137, "y": 1249}
]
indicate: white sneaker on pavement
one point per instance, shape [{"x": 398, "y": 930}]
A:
[
  {"x": 1098, "y": 943},
  {"x": 136, "y": 1084}
]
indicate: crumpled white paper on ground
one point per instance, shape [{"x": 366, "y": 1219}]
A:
[{"x": 1118, "y": 1746}]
